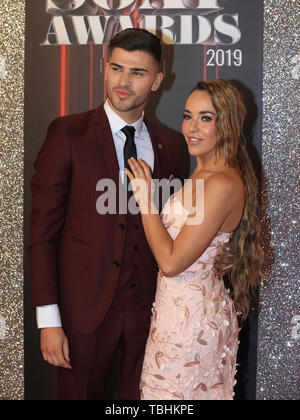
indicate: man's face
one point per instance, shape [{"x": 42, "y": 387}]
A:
[{"x": 130, "y": 78}]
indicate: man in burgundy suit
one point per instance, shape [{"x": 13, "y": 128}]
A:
[{"x": 93, "y": 275}]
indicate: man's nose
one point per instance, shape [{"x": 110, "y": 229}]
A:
[{"x": 124, "y": 79}]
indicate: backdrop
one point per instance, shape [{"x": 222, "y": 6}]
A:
[
  {"x": 66, "y": 51},
  {"x": 254, "y": 43}
]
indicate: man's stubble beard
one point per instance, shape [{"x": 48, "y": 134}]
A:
[{"x": 122, "y": 106}]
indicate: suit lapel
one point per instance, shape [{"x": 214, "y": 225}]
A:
[
  {"x": 106, "y": 143},
  {"x": 157, "y": 151},
  {"x": 107, "y": 148}
]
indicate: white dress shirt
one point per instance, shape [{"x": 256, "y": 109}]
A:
[
  {"x": 142, "y": 139},
  {"x": 49, "y": 315}
]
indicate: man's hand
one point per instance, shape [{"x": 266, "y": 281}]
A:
[
  {"x": 224, "y": 261},
  {"x": 55, "y": 347}
]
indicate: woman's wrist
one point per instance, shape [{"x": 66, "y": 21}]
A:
[{"x": 148, "y": 207}]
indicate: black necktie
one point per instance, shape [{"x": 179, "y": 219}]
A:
[{"x": 129, "y": 148}]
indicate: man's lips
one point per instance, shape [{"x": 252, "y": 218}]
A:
[
  {"x": 123, "y": 94},
  {"x": 194, "y": 140}
]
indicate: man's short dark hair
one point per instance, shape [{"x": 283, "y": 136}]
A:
[{"x": 137, "y": 40}]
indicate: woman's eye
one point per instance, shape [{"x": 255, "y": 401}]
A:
[
  {"x": 186, "y": 117},
  {"x": 207, "y": 119}
]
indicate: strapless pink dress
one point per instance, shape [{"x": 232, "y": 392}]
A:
[{"x": 192, "y": 346}]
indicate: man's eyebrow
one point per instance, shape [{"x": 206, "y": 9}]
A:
[
  {"x": 115, "y": 64},
  {"x": 132, "y": 68},
  {"x": 139, "y": 69}
]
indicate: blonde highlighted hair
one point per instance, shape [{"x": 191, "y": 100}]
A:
[{"x": 246, "y": 242}]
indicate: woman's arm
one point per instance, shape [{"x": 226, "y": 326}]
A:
[{"x": 175, "y": 256}]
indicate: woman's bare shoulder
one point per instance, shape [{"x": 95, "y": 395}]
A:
[
  {"x": 227, "y": 178},
  {"x": 226, "y": 183}
]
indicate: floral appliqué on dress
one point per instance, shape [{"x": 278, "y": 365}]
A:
[{"x": 192, "y": 346}]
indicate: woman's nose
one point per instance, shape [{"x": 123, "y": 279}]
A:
[{"x": 194, "y": 125}]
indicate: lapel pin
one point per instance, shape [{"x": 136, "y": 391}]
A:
[
  {"x": 160, "y": 146},
  {"x": 170, "y": 178}
]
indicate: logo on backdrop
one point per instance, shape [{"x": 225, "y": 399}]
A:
[{"x": 178, "y": 22}]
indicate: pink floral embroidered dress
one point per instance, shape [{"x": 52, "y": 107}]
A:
[{"x": 192, "y": 346}]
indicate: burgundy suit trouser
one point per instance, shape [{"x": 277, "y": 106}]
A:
[{"x": 121, "y": 336}]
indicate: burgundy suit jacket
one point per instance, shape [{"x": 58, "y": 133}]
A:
[{"x": 74, "y": 252}]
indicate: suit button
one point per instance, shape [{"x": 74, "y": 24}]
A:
[
  {"x": 116, "y": 264},
  {"x": 136, "y": 247},
  {"x": 122, "y": 226},
  {"x": 133, "y": 286},
  {"x": 136, "y": 227}
]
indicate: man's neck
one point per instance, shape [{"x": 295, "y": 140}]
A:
[{"x": 130, "y": 117}]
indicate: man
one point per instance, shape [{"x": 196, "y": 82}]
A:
[{"x": 93, "y": 275}]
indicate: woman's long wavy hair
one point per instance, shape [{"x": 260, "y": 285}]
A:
[{"x": 246, "y": 244}]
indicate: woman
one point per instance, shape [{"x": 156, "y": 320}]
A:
[{"x": 192, "y": 347}]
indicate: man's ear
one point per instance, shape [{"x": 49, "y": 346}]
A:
[{"x": 157, "y": 82}]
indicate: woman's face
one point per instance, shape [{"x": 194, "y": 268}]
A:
[{"x": 198, "y": 125}]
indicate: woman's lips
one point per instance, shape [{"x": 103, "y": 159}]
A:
[{"x": 194, "y": 140}]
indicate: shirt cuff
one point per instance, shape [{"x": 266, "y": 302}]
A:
[{"x": 48, "y": 316}]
